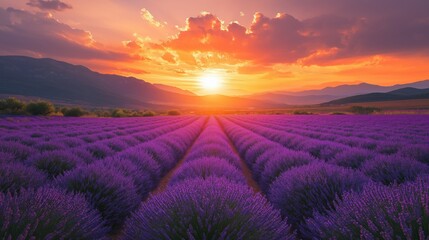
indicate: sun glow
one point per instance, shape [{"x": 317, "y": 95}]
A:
[{"x": 211, "y": 81}]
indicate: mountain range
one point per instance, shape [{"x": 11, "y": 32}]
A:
[
  {"x": 407, "y": 93},
  {"x": 64, "y": 83},
  {"x": 328, "y": 94}
]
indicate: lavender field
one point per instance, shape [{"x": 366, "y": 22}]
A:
[{"x": 215, "y": 177}]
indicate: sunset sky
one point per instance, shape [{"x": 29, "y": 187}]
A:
[{"x": 246, "y": 46}]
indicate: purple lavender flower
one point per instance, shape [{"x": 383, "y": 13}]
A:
[
  {"x": 18, "y": 150},
  {"x": 208, "y": 167},
  {"x": 48, "y": 213},
  {"x": 141, "y": 178},
  {"x": 352, "y": 158},
  {"x": 14, "y": 176},
  {"x": 213, "y": 208},
  {"x": 393, "y": 169},
  {"x": 378, "y": 212},
  {"x": 54, "y": 163},
  {"x": 111, "y": 193},
  {"x": 314, "y": 187},
  {"x": 280, "y": 163}
]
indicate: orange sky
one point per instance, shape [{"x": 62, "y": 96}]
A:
[{"x": 249, "y": 45}]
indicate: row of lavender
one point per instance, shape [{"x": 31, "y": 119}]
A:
[
  {"x": 208, "y": 198},
  {"x": 331, "y": 190},
  {"x": 64, "y": 194},
  {"x": 303, "y": 174}
]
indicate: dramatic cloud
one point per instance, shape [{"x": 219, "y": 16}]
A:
[
  {"x": 55, "y": 5},
  {"x": 169, "y": 58},
  {"x": 146, "y": 15},
  {"x": 285, "y": 39},
  {"x": 41, "y": 35}
]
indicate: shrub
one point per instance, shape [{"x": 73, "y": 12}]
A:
[
  {"x": 49, "y": 146},
  {"x": 393, "y": 169},
  {"x": 214, "y": 150},
  {"x": 48, "y": 213},
  {"x": 377, "y": 213},
  {"x": 324, "y": 150},
  {"x": 99, "y": 150},
  {"x": 71, "y": 142},
  {"x": 141, "y": 178},
  {"x": 40, "y": 108},
  {"x": 148, "y": 114},
  {"x": 208, "y": 167},
  {"x": 314, "y": 187},
  {"x": 54, "y": 163},
  {"x": 14, "y": 176},
  {"x": 73, "y": 112},
  {"x": 160, "y": 153},
  {"x": 118, "y": 113},
  {"x": 280, "y": 163},
  {"x": 173, "y": 113},
  {"x": 11, "y": 106},
  {"x": 6, "y": 157},
  {"x": 144, "y": 161},
  {"x": 388, "y": 147},
  {"x": 352, "y": 158},
  {"x": 206, "y": 209},
  {"x": 116, "y": 145},
  {"x": 300, "y": 112},
  {"x": 364, "y": 110},
  {"x": 19, "y": 151},
  {"x": 417, "y": 152},
  {"x": 85, "y": 155},
  {"x": 108, "y": 191}
]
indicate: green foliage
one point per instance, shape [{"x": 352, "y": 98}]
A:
[
  {"x": 131, "y": 113},
  {"x": 298, "y": 112},
  {"x": 148, "y": 114},
  {"x": 118, "y": 113},
  {"x": 43, "y": 108},
  {"x": 364, "y": 110},
  {"x": 12, "y": 106},
  {"x": 173, "y": 113},
  {"x": 73, "y": 112}
]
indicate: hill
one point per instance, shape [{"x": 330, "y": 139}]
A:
[
  {"x": 327, "y": 94},
  {"x": 65, "y": 83},
  {"x": 396, "y": 95}
]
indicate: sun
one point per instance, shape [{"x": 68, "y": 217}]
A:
[{"x": 210, "y": 80}]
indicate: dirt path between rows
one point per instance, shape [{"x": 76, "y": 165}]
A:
[{"x": 245, "y": 169}]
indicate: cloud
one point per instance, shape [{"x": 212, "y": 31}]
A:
[
  {"x": 55, "y": 5},
  {"x": 317, "y": 40},
  {"x": 42, "y": 35},
  {"x": 169, "y": 58},
  {"x": 146, "y": 15}
]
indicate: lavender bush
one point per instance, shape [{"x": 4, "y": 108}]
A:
[
  {"x": 378, "y": 212},
  {"x": 206, "y": 209},
  {"x": 111, "y": 193},
  {"x": 314, "y": 187},
  {"x": 206, "y": 168},
  {"x": 14, "y": 176},
  {"x": 280, "y": 163},
  {"x": 393, "y": 169},
  {"x": 352, "y": 158},
  {"x": 48, "y": 213},
  {"x": 54, "y": 163}
]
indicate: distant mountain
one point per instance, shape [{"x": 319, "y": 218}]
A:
[
  {"x": 331, "y": 93},
  {"x": 73, "y": 84},
  {"x": 174, "y": 89},
  {"x": 281, "y": 98},
  {"x": 396, "y": 95}
]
